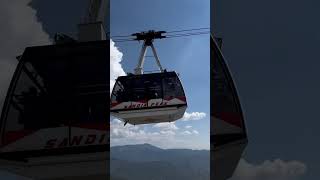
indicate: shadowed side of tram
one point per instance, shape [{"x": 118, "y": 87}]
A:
[
  {"x": 148, "y": 98},
  {"x": 54, "y": 120},
  {"x": 228, "y": 132},
  {"x": 57, "y": 104}
]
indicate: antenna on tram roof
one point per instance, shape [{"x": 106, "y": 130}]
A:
[{"x": 148, "y": 38}]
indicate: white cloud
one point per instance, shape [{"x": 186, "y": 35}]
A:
[
  {"x": 195, "y": 132},
  {"x": 193, "y": 116},
  {"x": 155, "y": 133},
  {"x": 118, "y": 129},
  {"x": 269, "y": 170},
  {"x": 167, "y": 132},
  {"x": 190, "y": 132},
  {"x": 188, "y": 127},
  {"x": 166, "y": 126},
  {"x": 163, "y": 136},
  {"x": 186, "y": 133},
  {"x": 117, "y": 121},
  {"x": 115, "y": 66},
  {"x": 129, "y": 134},
  {"x": 20, "y": 28}
]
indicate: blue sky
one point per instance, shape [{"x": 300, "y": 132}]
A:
[{"x": 189, "y": 56}]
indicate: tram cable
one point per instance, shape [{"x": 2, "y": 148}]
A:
[
  {"x": 168, "y": 34},
  {"x": 185, "y": 30}
]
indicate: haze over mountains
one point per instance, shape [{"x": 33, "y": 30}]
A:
[{"x": 147, "y": 162}]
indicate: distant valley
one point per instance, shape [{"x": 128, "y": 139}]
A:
[{"x": 147, "y": 162}]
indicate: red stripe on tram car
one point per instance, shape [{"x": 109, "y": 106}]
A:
[
  {"x": 168, "y": 98},
  {"x": 12, "y": 136},
  {"x": 182, "y": 98},
  {"x": 114, "y": 103}
]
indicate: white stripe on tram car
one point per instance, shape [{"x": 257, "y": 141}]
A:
[
  {"x": 153, "y": 111},
  {"x": 58, "y": 138},
  {"x": 156, "y": 115},
  {"x": 151, "y": 103}
]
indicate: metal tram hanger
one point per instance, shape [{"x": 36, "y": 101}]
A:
[{"x": 148, "y": 38}]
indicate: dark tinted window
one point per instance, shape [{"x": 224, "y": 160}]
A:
[
  {"x": 137, "y": 86},
  {"x": 154, "y": 87},
  {"x": 149, "y": 86},
  {"x": 172, "y": 87},
  {"x": 224, "y": 98},
  {"x": 118, "y": 92},
  {"x": 27, "y": 108}
]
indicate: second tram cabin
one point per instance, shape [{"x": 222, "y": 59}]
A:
[{"x": 148, "y": 98}]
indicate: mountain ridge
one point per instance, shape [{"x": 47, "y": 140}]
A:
[{"x": 146, "y": 161}]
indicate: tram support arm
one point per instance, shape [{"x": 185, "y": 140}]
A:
[
  {"x": 156, "y": 56},
  {"x": 139, "y": 68}
]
